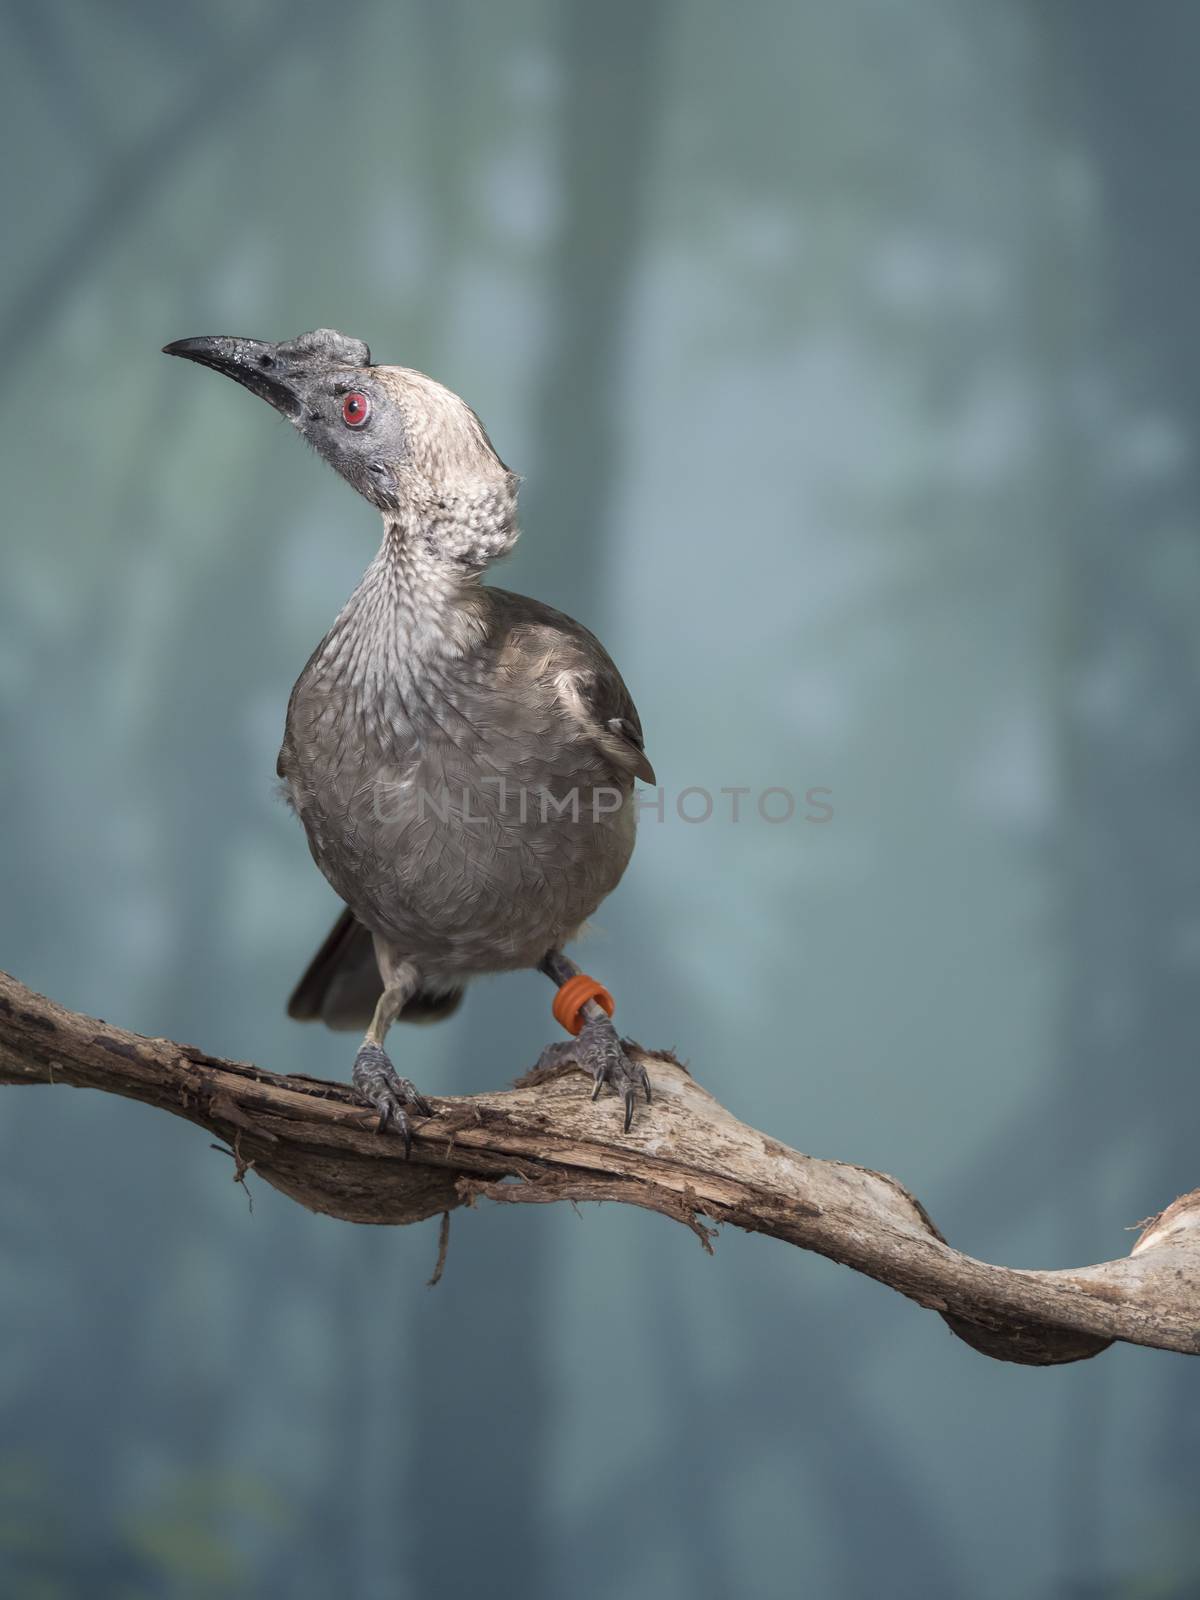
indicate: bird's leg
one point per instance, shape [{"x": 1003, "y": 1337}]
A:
[
  {"x": 597, "y": 1048},
  {"x": 376, "y": 1081}
]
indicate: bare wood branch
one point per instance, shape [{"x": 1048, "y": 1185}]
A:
[{"x": 687, "y": 1158}]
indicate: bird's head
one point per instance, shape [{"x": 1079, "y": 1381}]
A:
[{"x": 410, "y": 446}]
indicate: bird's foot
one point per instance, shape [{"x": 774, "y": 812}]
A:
[
  {"x": 600, "y": 1051},
  {"x": 380, "y": 1086}
]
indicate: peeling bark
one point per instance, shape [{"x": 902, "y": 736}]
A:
[{"x": 687, "y": 1157}]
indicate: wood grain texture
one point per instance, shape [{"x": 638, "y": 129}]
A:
[{"x": 687, "y": 1157}]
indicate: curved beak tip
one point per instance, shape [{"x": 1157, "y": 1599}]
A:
[
  {"x": 190, "y": 349},
  {"x": 249, "y": 362}
]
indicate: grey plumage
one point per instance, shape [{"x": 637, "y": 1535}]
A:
[{"x": 462, "y": 758}]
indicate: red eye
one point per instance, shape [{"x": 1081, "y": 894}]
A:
[{"x": 356, "y": 408}]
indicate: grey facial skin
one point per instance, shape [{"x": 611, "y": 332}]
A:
[
  {"x": 306, "y": 380},
  {"x": 432, "y": 705}
]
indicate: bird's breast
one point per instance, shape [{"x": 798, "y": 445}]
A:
[{"x": 473, "y": 829}]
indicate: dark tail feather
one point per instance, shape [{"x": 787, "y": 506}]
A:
[{"x": 342, "y": 984}]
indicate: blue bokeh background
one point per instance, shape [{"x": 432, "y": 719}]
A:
[{"x": 850, "y": 357}]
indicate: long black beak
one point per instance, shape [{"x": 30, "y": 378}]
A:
[{"x": 257, "y": 366}]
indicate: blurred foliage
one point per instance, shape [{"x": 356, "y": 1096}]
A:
[{"x": 187, "y": 1539}]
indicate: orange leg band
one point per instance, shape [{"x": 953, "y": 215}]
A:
[{"x": 573, "y": 995}]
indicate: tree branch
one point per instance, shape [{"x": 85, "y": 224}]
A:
[{"x": 687, "y": 1157}]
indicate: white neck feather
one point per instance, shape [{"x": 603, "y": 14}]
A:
[{"x": 410, "y": 611}]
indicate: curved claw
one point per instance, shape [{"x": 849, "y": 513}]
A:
[
  {"x": 390, "y": 1110},
  {"x": 599, "y": 1051},
  {"x": 632, "y": 1047},
  {"x": 380, "y": 1086},
  {"x": 416, "y": 1100}
]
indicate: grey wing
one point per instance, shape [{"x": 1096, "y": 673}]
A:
[
  {"x": 609, "y": 704},
  {"x": 584, "y": 675}
]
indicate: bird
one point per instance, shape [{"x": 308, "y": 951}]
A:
[{"x": 463, "y": 759}]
